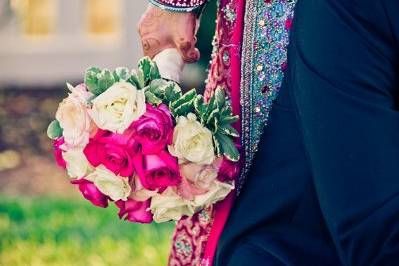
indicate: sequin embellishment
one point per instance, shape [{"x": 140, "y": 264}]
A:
[{"x": 264, "y": 56}]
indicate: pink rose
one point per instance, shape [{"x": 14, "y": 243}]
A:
[
  {"x": 134, "y": 211},
  {"x": 199, "y": 179},
  {"x": 58, "y": 152},
  {"x": 228, "y": 170},
  {"x": 114, "y": 151},
  {"x": 196, "y": 179},
  {"x": 153, "y": 130},
  {"x": 74, "y": 119},
  {"x": 91, "y": 192},
  {"x": 157, "y": 171}
]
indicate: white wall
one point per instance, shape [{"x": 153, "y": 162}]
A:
[{"x": 66, "y": 55}]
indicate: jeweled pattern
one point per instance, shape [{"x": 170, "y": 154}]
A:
[
  {"x": 190, "y": 238},
  {"x": 191, "y": 234},
  {"x": 219, "y": 70},
  {"x": 266, "y": 37},
  {"x": 183, "y": 3},
  {"x": 264, "y": 55}
]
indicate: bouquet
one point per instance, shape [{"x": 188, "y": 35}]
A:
[{"x": 135, "y": 139}]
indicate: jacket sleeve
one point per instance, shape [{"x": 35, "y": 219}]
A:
[{"x": 180, "y": 5}]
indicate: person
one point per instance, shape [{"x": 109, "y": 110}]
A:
[{"x": 319, "y": 182}]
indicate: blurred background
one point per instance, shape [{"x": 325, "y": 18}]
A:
[{"x": 43, "y": 44}]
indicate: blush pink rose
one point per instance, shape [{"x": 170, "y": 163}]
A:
[
  {"x": 58, "y": 152},
  {"x": 114, "y": 151},
  {"x": 134, "y": 211},
  {"x": 199, "y": 179},
  {"x": 196, "y": 179},
  {"x": 154, "y": 129},
  {"x": 74, "y": 119},
  {"x": 157, "y": 171},
  {"x": 91, "y": 192}
]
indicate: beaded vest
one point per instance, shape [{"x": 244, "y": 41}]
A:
[{"x": 263, "y": 53}]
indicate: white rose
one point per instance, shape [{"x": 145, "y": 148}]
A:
[
  {"x": 169, "y": 206},
  {"x": 74, "y": 119},
  {"x": 192, "y": 141},
  {"x": 117, "y": 107},
  {"x": 77, "y": 164},
  {"x": 116, "y": 187},
  {"x": 217, "y": 192}
]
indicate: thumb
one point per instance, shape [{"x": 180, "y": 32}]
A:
[{"x": 185, "y": 38}]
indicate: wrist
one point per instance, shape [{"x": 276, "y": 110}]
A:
[{"x": 193, "y": 6}]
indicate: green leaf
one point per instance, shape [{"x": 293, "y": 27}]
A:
[
  {"x": 144, "y": 65},
  {"x": 214, "y": 114},
  {"x": 54, "y": 130},
  {"x": 220, "y": 97},
  {"x": 152, "y": 98},
  {"x": 137, "y": 78},
  {"x": 121, "y": 73},
  {"x": 184, "y": 109},
  {"x": 228, "y": 147},
  {"x": 229, "y": 130},
  {"x": 209, "y": 108},
  {"x": 218, "y": 148},
  {"x": 91, "y": 79},
  {"x": 172, "y": 92},
  {"x": 98, "y": 81},
  {"x": 157, "y": 86},
  {"x": 229, "y": 119},
  {"x": 199, "y": 105},
  {"x": 226, "y": 111},
  {"x": 215, "y": 125},
  {"x": 154, "y": 71},
  {"x": 185, "y": 98},
  {"x": 149, "y": 69},
  {"x": 105, "y": 80}
]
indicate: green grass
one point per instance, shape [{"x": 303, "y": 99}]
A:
[{"x": 50, "y": 231}]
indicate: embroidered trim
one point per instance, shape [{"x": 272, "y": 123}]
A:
[
  {"x": 194, "y": 6},
  {"x": 191, "y": 234},
  {"x": 264, "y": 56}
]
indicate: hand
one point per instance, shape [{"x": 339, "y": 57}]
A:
[{"x": 160, "y": 29}]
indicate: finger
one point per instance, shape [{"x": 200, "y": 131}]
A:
[
  {"x": 152, "y": 37},
  {"x": 188, "y": 51}
]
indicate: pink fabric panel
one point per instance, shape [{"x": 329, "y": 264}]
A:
[{"x": 222, "y": 209}]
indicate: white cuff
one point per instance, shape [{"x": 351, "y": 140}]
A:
[{"x": 170, "y": 64}]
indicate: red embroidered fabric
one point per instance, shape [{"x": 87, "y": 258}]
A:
[{"x": 191, "y": 234}]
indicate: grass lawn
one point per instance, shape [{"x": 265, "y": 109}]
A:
[{"x": 50, "y": 231}]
